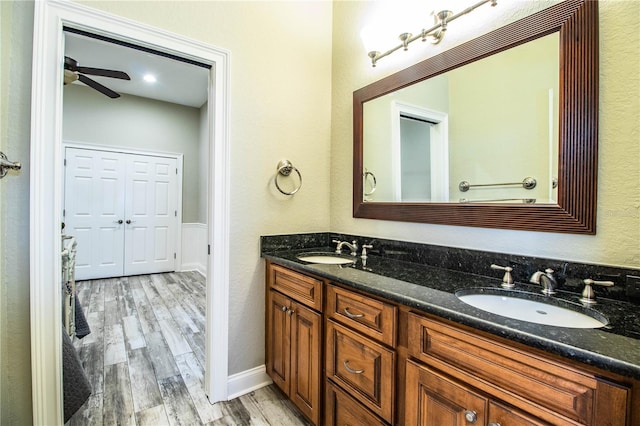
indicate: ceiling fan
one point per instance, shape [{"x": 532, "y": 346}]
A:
[{"x": 73, "y": 71}]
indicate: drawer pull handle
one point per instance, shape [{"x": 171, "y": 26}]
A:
[
  {"x": 351, "y": 370},
  {"x": 350, "y": 315},
  {"x": 470, "y": 416}
]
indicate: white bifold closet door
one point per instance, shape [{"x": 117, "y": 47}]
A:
[{"x": 122, "y": 209}]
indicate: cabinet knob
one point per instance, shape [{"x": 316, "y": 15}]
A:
[
  {"x": 350, "y": 315},
  {"x": 291, "y": 312},
  {"x": 493, "y": 424},
  {"x": 470, "y": 416},
  {"x": 284, "y": 309}
]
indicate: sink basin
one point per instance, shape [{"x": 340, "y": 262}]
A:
[
  {"x": 532, "y": 307},
  {"x": 326, "y": 258}
]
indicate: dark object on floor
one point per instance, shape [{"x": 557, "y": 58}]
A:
[
  {"x": 82, "y": 326},
  {"x": 76, "y": 386}
]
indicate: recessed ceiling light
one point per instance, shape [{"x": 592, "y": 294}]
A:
[{"x": 149, "y": 78}]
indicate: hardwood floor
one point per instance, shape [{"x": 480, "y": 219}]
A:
[{"x": 145, "y": 354}]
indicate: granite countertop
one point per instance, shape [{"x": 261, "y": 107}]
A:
[{"x": 614, "y": 348}]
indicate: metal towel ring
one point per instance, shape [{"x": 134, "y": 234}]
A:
[
  {"x": 367, "y": 173},
  {"x": 285, "y": 168}
]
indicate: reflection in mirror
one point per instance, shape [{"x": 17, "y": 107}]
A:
[
  {"x": 565, "y": 108},
  {"x": 490, "y": 122}
]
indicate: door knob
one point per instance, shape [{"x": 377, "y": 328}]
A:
[
  {"x": 119, "y": 221},
  {"x": 129, "y": 221}
]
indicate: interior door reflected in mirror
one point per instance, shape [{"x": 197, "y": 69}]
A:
[{"x": 491, "y": 124}]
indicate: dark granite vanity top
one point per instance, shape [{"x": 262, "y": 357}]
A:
[{"x": 430, "y": 289}]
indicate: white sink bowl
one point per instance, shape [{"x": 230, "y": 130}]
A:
[
  {"x": 325, "y": 258},
  {"x": 539, "y": 312}
]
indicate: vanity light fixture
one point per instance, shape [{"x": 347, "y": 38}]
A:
[{"x": 435, "y": 33}]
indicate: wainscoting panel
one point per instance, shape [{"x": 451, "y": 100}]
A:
[{"x": 194, "y": 247}]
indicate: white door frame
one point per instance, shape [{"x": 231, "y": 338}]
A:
[
  {"x": 439, "y": 148},
  {"x": 46, "y": 192}
]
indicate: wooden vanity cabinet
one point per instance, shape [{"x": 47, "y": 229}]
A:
[
  {"x": 388, "y": 364},
  {"x": 294, "y": 338},
  {"x": 455, "y": 371}
]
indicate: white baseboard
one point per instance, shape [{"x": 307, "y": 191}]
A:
[
  {"x": 197, "y": 267},
  {"x": 247, "y": 381},
  {"x": 194, "y": 248}
]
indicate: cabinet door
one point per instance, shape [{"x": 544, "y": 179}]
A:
[
  {"x": 305, "y": 373},
  {"x": 435, "y": 400},
  {"x": 277, "y": 340}
]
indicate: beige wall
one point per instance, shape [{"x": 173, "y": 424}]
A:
[
  {"x": 618, "y": 226},
  {"x": 15, "y": 92},
  {"x": 499, "y": 121}
]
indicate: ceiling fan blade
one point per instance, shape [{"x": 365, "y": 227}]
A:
[
  {"x": 70, "y": 64},
  {"x": 104, "y": 73},
  {"x": 99, "y": 87}
]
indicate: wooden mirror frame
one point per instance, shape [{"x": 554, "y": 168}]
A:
[{"x": 577, "y": 24}]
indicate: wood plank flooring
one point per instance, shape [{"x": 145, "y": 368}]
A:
[{"x": 145, "y": 354}]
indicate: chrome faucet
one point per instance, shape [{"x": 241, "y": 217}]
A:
[
  {"x": 546, "y": 280},
  {"x": 353, "y": 246}
]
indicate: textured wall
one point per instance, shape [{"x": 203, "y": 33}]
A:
[
  {"x": 15, "y": 94},
  {"x": 618, "y": 226}
]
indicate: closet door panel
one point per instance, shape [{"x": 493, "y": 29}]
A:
[
  {"x": 151, "y": 207},
  {"x": 94, "y": 204}
]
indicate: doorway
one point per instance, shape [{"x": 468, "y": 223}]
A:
[
  {"x": 420, "y": 153},
  {"x": 46, "y": 191}
]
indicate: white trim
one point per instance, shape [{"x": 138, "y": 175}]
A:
[
  {"x": 115, "y": 148},
  {"x": 179, "y": 157},
  {"x": 194, "y": 246},
  {"x": 247, "y": 381},
  {"x": 46, "y": 190},
  {"x": 439, "y": 148}
]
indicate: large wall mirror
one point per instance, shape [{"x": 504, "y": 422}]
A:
[{"x": 499, "y": 132}]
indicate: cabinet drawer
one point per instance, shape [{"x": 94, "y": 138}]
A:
[
  {"x": 341, "y": 409},
  {"x": 513, "y": 375},
  {"x": 371, "y": 317},
  {"x": 362, "y": 367},
  {"x": 501, "y": 415},
  {"x": 302, "y": 288}
]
